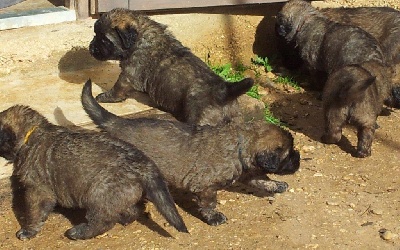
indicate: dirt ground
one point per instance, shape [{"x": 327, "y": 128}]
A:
[{"x": 335, "y": 201}]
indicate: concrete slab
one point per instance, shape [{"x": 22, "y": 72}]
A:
[{"x": 13, "y": 20}]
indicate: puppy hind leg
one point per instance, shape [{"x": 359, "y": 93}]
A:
[
  {"x": 98, "y": 223},
  {"x": 39, "y": 205},
  {"x": 365, "y": 137},
  {"x": 207, "y": 201},
  {"x": 131, "y": 214}
]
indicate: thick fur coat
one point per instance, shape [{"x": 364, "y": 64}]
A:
[
  {"x": 79, "y": 169},
  {"x": 153, "y": 61},
  {"x": 203, "y": 160}
]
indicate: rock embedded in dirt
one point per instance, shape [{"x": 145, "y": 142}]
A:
[{"x": 387, "y": 235}]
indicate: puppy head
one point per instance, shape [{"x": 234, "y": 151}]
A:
[
  {"x": 272, "y": 151},
  {"x": 115, "y": 35},
  {"x": 16, "y": 125},
  {"x": 291, "y": 18}
]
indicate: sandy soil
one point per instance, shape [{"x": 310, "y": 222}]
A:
[{"x": 335, "y": 201}]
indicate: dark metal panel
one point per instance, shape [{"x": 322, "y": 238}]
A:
[
  {"x": 174, "y": 4},
  {"x": 106, "y": 5}
]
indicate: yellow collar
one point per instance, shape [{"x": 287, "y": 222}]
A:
[{"x": 29, "y": 133}]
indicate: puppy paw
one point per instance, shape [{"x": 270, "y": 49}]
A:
[
  {"x": 281, "y": 187},
  {"x": 269, "y": 186},
  {"x": 214, "y": 218},
  {"x": 24, "y": 234},
  {"x": 362, "y": 154},
  {"x": 77, "y": 232}
]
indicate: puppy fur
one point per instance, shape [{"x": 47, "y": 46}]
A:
[
  {"x": 355, "y": 94},
  {"x": 153, "y": 61},
  {"x": 383, "y": 23},
  {"x": 79, "y": 169},
  {"x": 325, "y": 45},
  {"x": 204, "y": 159},
  {"x": 335, "y": 48}
]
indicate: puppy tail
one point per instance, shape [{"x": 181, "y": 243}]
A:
[
  {"x": 100, "y": 116},
  {"x": 157, "y": 192},
  {"x": 235, "y": 89}
]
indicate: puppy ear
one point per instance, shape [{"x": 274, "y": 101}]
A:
[
  {"x": 7, "y": 143},
  {"x": 5, "y": 136},
  {"x": 127, "y": 36}
]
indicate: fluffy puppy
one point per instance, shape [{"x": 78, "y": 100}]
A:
[
  {"x": 104, "y": 175},
  {"x": 325, "y": 45},
  {"x": 153, "y": 61},
  {"x": 203, "y": 160},
  {"x": 355, "y": 94},
  {"x": 383, "y": 23}
]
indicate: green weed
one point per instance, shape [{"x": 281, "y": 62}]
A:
[
  {"x": 265, "y": 62},
  {"x": 288, "y": 80},
  {"x": 269, "y": 117},
  {"x": 233, "y": 75}
]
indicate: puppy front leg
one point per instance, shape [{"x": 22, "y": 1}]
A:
[
  {"x": 39, "y": 204},
  {"x": 207, "y": 201},
  {"x": 268, "y": 185},
  {"x": 118, "y": 93},
  {"x": 365, "y": 137}
]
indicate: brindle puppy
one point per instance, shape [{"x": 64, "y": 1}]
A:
[
  {"x": 383, "y": 23},
  {"x": 335, "y": 48},
  {"x": 104, "y": 175},
  {"x": 153, "y": 61},
  {"x": 325, "y": 45},
  {"x": 203, "y": 160},
  {"x": 355, "y": 94}
]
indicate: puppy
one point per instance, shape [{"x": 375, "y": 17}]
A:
[
  {"x": 355, "y": 94},
  {"x": 203, "y": 160},
  {"x": 383, "y": 23},
  {"x": 325, "y": 45},
  {"x": 153, "y": 61},
  {"x": 106, "y": 176},
  {"x": 340, "y": 51}
]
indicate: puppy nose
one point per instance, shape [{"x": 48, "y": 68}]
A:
[{"x": 281, "y": 30}]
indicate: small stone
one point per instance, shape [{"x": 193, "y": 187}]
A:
[
  {"x": 387, "y": 234},
  {"x": 222, "y": 202},
  {"x": 377, "y": 211},
  {"x": 271, "y": 75},
  {"x": 318, "y": 175},
  {"x": 291, "y": 190},
  {"x": 332, "y": 203},
  {"x": 308, "y": 149}
]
